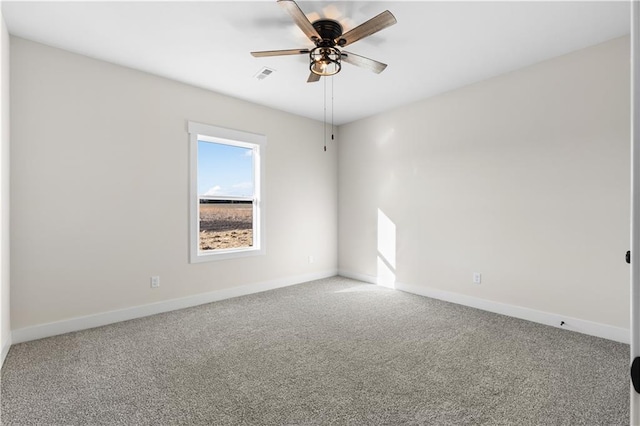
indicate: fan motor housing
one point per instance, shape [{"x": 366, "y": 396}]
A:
[{"x": 329, "y": 31}]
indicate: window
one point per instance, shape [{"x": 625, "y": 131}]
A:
[{"x": 226, "y": 193}]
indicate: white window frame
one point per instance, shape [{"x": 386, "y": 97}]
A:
[{"x": 256, "y": 142}]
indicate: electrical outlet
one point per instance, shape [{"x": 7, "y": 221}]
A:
[
  {"x": 311, "y": 259},
  {"x": 155, "y": 281},
  {"x": 477, "y": 277}
]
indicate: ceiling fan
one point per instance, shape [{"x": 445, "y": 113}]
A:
[{"x": 326, "y": 34}]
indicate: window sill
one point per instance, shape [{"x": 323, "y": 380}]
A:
[{"x": 216, "y": 255}]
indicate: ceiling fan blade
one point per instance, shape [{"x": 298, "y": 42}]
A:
[
  {"x": 313, "y": 78},
  {"x": 361, "y": 61},
  {"x": 300, "y": 19},
  {"x": 372, "y": 26},
  {"x": 280, "y": 52}
]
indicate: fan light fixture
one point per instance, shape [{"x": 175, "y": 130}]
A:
[{"x": 325, "y": 61}]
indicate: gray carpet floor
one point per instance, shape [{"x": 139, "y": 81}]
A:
[{"x": 332, "y": 351}]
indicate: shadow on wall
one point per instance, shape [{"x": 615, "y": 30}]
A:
[{"x": 386, "y": 251}]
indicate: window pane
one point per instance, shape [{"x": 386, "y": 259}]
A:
[
  {"x": 224, "y": 170},
  {"x": 225, "y": 225}
]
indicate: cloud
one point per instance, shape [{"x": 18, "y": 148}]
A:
[
  {"x": 241, "y": 189},
  {"x": 248, "y": 153},
  {"x": 214, "y": 191}
]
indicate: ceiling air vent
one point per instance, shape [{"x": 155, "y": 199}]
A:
[{"x": 264, "y": 73}]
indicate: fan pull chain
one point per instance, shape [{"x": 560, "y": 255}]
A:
[
  {"x": 324, "y": 124},
  {"x": 332, "y": 128}
]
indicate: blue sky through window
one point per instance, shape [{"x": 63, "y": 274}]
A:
[{"x": 224, "y": 170}]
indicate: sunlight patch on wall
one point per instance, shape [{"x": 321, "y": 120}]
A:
[{"x": 386, "y": 251}]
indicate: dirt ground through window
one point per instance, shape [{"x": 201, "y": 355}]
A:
[{"x": 224, "y": 226}]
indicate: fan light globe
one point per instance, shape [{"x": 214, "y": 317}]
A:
[{"x": 325, "y": 61}]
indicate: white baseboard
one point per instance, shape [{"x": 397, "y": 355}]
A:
[
  {"x": 104, "y": 318},
  {"x": 591, "y": 328},
  {"x": 617, "y": 334},
  {"x": 5, "y": 350}
]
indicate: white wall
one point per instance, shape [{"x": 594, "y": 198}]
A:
[
  {"x": 5, "y": 327},
  {"x": 523, "y": 177},
  {"x": 99, "y": 184}
]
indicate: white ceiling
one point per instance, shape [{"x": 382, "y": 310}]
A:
[{"x": 434, "y": 47}]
